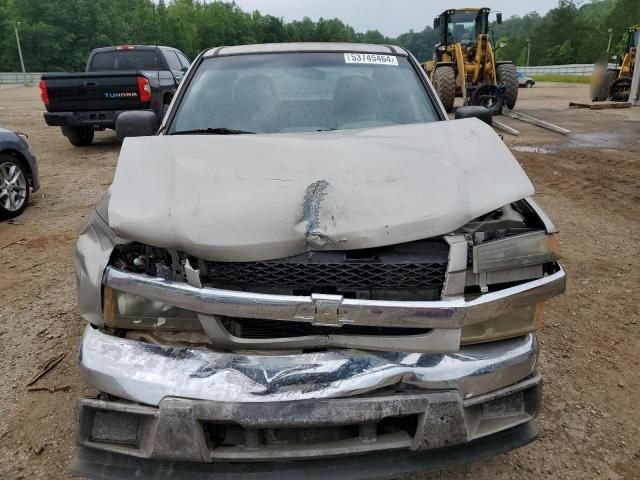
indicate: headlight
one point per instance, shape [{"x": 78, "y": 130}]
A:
[
  {"x": 533, "y": 248},
  {"x": 127, "y": 311},
  {"x": 517, "y": 322}
]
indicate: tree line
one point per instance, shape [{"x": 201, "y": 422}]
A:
[
  {"x": 57, "y": 35},
  {"x": 572, "y": 32}
]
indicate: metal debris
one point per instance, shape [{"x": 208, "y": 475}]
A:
[{"x": 534, "y": 121}]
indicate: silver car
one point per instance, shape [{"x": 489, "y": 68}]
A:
[
  {"x": 18, "y": 173},
  {"x": 524, "y": 81},
  {"x": 310, "y": 271}
]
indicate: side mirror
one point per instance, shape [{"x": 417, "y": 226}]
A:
[
  {"x": 184, "y": 69},
  {"x": 481, "y": 113},
  {"x": 141, "y": 123},
  {"x": 499, "y": 18},
  {"x": 436, "y": 23}
]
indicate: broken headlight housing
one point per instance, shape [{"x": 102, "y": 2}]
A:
[
  {"x": 534, "y": 248},
  {"x": 508, "y": 260},
  {"x": 132, "y": 312}
]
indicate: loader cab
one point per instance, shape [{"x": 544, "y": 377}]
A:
[
  {"x": 463, "y": 25},
  {"x": 627, "y": 59},
  {"x": 632, "y": 40}
]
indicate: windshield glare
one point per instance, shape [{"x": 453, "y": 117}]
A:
[{"x": 302, "y": 92}]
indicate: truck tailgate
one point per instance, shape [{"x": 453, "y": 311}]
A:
[{"x": 93, "y": 91}]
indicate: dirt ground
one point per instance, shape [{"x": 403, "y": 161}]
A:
[{"x": 589, "y": 182}]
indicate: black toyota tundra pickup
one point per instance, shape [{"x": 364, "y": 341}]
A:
[{"x": 117, "y": 79}]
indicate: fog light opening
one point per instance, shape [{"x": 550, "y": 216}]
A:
[{"x": 115, "y": 428}]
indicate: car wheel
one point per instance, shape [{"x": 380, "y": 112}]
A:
[
  {"x": 529, "y": 84},
  {"x": 14, "y": 186},
  {"x": 79, "y": 136}
]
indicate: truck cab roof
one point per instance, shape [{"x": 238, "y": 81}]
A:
[
  {"x": 305, "y": 47},
  {"x": 130, "y": 47}
]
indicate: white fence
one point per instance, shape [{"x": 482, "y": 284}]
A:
[
  {"x": 576, "y": 69},
  {"x": 19, "y": 78}
]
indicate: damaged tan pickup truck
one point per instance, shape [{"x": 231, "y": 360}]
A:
[{"x": 310, "y": 272}]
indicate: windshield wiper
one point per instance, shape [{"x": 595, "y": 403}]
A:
[{"x": 212, "y": 131}]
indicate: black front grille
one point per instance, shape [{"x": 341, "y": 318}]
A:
[
  {"x": 409, "y": 271},
  {"x": 337, "y": 275},
  {"x": 263, "y": 329}
]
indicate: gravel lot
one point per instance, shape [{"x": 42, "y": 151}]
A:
[{"x": 589, "y": 182}]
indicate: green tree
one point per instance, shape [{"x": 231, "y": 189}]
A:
[{"x": 58, "y": 35}]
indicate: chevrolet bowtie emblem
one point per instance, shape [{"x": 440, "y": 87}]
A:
[{"x": 327, "y": 310}]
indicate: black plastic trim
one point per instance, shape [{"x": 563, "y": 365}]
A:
[{"x": 99, "y": 465}]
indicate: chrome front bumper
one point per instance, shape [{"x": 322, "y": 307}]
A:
[
  {"x": 146, "y": 373},
  {"x": 335, "y": 309},
  {"x": 444, "y": 319},
  {"x": 180, "y": 394}
]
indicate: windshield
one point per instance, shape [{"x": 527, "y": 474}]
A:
[
  {"x": 462, "y": 27},
  {"x": 303, "y": 92}
]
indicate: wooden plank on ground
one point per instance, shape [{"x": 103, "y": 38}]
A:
[{"x": 599, "y": 105}]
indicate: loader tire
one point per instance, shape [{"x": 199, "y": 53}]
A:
[
  {"x": 600, "y": 91},
  {"x": 444, "y": 81},
  {"x": 620, "y": 89},
  {"x": 507, "y": 76}
]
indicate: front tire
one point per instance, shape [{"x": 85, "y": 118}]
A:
[
  {"x": 529, "y": 85},
  {"x": 14, "y": 186},
  {"x": 620, "y": 89},
  {"x": 506, "y": 75},
  {"x": 444, "y": 81},
  {"x": 79, "y": 136},
  {"x": 600, "y": 87}
]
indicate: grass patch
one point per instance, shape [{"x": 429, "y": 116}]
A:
[{"x": 561, "y": 78}]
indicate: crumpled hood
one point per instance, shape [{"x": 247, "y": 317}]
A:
[{"x": 259, "y": 197}]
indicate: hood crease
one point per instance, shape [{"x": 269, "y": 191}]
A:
[{"x": 261, "y": 197}]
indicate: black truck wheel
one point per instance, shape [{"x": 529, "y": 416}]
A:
[
  {"x": 78, "y": 136},
  {"x": 444, "y": 81},
  {"x": 506, "y": 75}
]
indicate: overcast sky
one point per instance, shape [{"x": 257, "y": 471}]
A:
[{"x": 391, "y": 17}]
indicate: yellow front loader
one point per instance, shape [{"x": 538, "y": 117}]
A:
[
  {"x": 615, "y": 83},
  {"x": 464, "y": 64}
]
